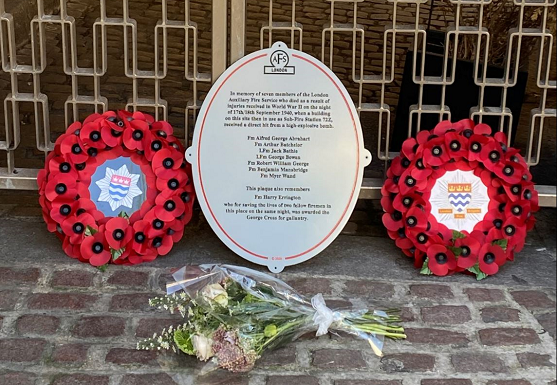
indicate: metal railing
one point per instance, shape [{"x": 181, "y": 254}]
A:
[{"x": 229, "y": 21}]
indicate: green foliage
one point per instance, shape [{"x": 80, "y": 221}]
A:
[
  {"x": 183, "y": 340},
  {"x": 90, "y": 231},
  {"x": 501, "y": 242},
  {"x": 458, "y": 234},
  {"x": 476, "y": 270},
  {"x": 425, "y": 268}
]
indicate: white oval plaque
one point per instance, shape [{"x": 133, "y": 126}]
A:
[{"x": 277, "y": 157}]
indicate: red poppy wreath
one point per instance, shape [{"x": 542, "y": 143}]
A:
[
  {"x": 116, "y": 189},
  {"x": 457, "y": 199}
]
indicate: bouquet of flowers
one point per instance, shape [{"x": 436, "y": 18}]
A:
[{"x": 233, "y": 314}]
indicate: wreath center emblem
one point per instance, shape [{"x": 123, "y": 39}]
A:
[
  {"x": 119, "y": 187},
  {"x": 460, "y": 195}
]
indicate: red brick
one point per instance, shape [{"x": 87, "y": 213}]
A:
[
  {"x": 131, "y": 302},
  {"x": 298, "y": 380},
  {"x": 80, "y": 379},
  {"x": 338, "y": 304},
  {"x": 223, "y": 377},
  {"x": 435, "y": 336},
  {"x": 132, "y": 356},
  {"x": 147, "y": 379},
  {"x": 509, "y": 382},
  {"x": 407, "y": 362},
  {"x": 372, "y": 289},
  {"x": 548, "y": 323},
  {"x": 500, "y": 314},
  {"x": 508, "y": 336},
  {"x": 99, "y": 326},
  {"x": 368, "y": 382},
  {"x": 478, "y": 362},
  {"x": 147, "y": 326},
  {"x": 338, "y": 358},
  {"x": 311, "y": 285},
  {"x": 70, "y": 353},
  {"x": 484, "y": 295},
  {"x": 72, "y": 278},
  {"x": 8, "y": 299},
  {"x": 533, "y": 300},
  {"x": 37, "y": 324},
  {"x": 70, "y": 301},
  {"x": 534, "y": 360},
  {"x": 448, "y": 381},
  {"x": 431, "y": 291},
  {"x": 10, "y": 276},
  {"x": 407, "y": 315},
  {"x": 128, "y": 278},
  {"x": 21, "y": 349},
  {"x": 279, "y": 357},
  {"x": 446, "y": 314},
  {"x": 17, "y": 378}
]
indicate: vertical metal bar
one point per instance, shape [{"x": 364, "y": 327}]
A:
[
  {"x": 219, "y": 48},
  {"x": 237, "y": 29}
]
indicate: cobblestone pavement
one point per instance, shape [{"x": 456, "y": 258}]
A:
[{"x": 66, "y": 323}]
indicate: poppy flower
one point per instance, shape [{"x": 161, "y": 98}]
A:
[
  {"x": 71, "y": 249},
  {"x": 118, "y": 232},
  {"x": 475, "y": 146},
  {"x": 166, "y": 162},
  {"x": 95, "y": 249},
  {"x": 514, "y": 231},
  {"x": 168, "y": 209},
  {"x": 74, "y": 226},
  {"x": 493, "y": 220},
  {"x": 482, "y": 129},
  {"x": 424, "y": 136},
  {"x": 112, "y": 129},
  {"x": 442, "y": 127},
  {"x": 399, "y": 165},
  {"x": 409, "y": 185},
  {"x": 162, "y": 244},
  {"x": 469, "y": 255},
  {"x": 140, "y": 243},
  {"x": 86, "y": 205},
  {"x": 529, "y": 193},
  {"x": 490, "y": 257},
  {"x": 137, "y": 136},
  {"x": 387, "y": 203},
  {"x": 393, "y": 221},
  {"x": 435, "y": 152},
  {"x": 403, "y": 203},
  {"x": 72, "y": 148},
  {"x": 441, "y": 260},
  {"x": 501, "y": 138},
  {"x": 491, "y": 155},
  {"x": 61, "y": 186},
  {"x": 61, "y": 210},
  {"x": 456, "y": 144},
  {"x": 60, "y": 165},
  {"x": 161, "y": 129},
  {"x": 463, "y": 124},
  {"x": 420, "y": 171},
  {"x": 391, "y": 185},
  {"x": 424, "y": 239},
  {"x": 409, "y": 148},
  {"x": 176, "y": 230},
  {"x": 514, "y": 191},
  {"x": 156, "y": 227},
  {"x": 90, "y": 135},
  {"x": 416, "y": 219},
  {"x": 510, "y": 172}
]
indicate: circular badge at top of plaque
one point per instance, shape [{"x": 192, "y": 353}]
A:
[{"x": 278, "y": 157}]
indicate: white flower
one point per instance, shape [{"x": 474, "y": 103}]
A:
[
  {"x": 203, "y": 347},
  {"x": 216, "y": 293}
]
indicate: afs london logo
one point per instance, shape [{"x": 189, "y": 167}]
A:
[
  {"x": 119, "y": 187},
  {"x": 460, "y": 195},
  {"x": 279, "y": 64}
]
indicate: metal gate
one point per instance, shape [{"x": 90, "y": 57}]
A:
[{"x": 369, "y": 37}]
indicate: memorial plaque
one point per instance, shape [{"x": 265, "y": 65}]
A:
[{"x": 278, "y": 157}]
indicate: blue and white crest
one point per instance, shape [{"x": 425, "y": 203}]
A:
[
  {"x": 118, "y": 187},
  {"x": 459, "y": 201}
]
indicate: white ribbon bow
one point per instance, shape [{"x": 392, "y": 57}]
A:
[{"x": 323, "y": 317}]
